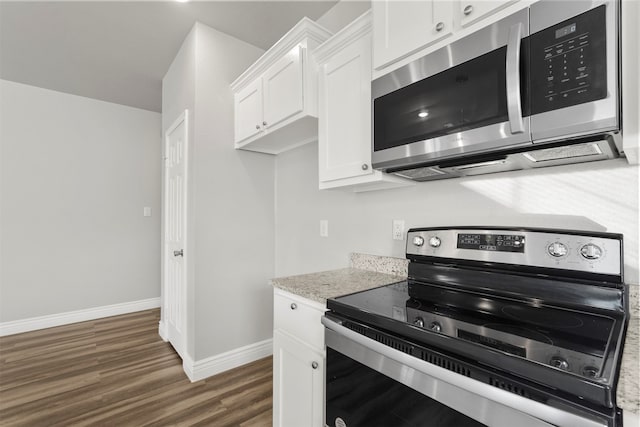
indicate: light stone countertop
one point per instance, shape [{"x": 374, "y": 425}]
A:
[
  {"x": 330, "y": 284},
  {"x": 372, "y": 271},
  {"x": 628, "y": 393}
]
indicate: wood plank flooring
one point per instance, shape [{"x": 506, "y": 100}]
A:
[{"x": 118, "y": 372}]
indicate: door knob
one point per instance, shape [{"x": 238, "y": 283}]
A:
[
  {"x": 314, "y": 365},
  {"x": 440, "y": 26},
  {"x": 468, "y": 9},
  {"x": 257, "y": 126},
  {"x": 178, "y": 253}
]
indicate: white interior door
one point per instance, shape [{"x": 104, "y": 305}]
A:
[{"x": 175, "y": 227}]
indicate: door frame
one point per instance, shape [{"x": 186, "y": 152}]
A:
[{"x": 163, "y": 327}]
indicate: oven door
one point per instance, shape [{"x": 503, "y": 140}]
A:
[
  {"x": 468, "y": 97},
  {"x": 371, "y": 384}
]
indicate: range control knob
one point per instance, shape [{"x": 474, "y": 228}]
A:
[
  {"x": 590, "y": 251},
  {"x": 559, "y": 362},
  {"x": 419, "y": 321},
  {"x": 557, "y": 249},
  {"x": 590, "y": 371},
  {"x": 434, "y": 242},
  {"x": 435, "y": 327},
  {"x": 418, "y": 241}
]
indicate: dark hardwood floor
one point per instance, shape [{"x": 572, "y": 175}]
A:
[{"x": 118, "y": 372}]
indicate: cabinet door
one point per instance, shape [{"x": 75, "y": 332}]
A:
[
  {"x": 298, "y": 383},
  {"x": 472, "y": 10},
  {"x": 283, "y": 90},
  {"x": 248, "y": 111},
  {"x": 345, "y": 113},
  {"x": 401, "y": 27}
]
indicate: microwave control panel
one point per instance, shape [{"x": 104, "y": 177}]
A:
[{"x": 568, "y": 62}]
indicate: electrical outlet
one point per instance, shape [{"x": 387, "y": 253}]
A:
[
  {"x": 397, "y": 232},
  {"x": 324, "y": 228}
]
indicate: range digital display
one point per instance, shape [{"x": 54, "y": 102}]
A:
[{"x": 491, "y": 242}]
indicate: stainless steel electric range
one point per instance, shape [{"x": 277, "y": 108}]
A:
[{"x": 496, "y": 327}]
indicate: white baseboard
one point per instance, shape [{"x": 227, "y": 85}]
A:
[
  {"x": 201, "y": 369},
  {"x": 162, "y": 331},
  {"x": 49, "y": 321}
]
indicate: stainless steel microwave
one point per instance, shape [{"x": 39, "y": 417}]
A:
[{"x": 540, "y": 87}]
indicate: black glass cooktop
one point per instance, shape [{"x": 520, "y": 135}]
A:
[{"x": 563, "y": 339}]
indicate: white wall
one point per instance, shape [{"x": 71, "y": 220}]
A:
[
  {"x": 599, "y": 196},
  {"x": 234, "y": 208},
  {"x": 343, "y": 13},
  {"x": 178, "y": 95},
  {"x": 231, "y": 199},
  {"x": 75, "y": 176}
]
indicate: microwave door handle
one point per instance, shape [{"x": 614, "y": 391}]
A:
[{"x": 514, "y": 103}]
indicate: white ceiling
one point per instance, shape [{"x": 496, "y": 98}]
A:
[{"x": 119, "y": 51}]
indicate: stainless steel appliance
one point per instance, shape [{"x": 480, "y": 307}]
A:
[
  {"x": 538, "y": 88},
  {"x": 493, "y": 327}
]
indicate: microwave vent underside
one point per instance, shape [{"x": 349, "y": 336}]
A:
[
  {"x": 419, "y": 173},
  {"x": 566, "y": 152}
]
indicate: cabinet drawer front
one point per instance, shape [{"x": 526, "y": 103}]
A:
[{"x": 298, "y": 318}]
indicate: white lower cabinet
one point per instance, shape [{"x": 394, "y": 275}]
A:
[
  {"x": 298, "y": 377},
  {"x": 298, "y": 361}
]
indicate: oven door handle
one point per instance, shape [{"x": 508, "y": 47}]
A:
[
  {"x": 514, "y": 101},
  {"x": 536, "y": 410}
]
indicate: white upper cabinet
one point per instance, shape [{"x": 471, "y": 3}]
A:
[
  {"x": 405, "y": 30},
  {"x": 401, "y": 27},
  {"x": 344, "y": 144},
  {"x": 344, "y": 130},
  {"x": 472, "y": 10},
  {"x": 283, "y": 88},
  {"x": 248, "y": 109},
  {"x": 276, "y": 98}
]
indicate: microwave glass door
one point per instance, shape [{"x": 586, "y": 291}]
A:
[
  {"x": 464, "y": 97},
  {"x": 469, "y": 96}
]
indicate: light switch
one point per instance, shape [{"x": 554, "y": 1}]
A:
[
  {"x": 147, "y": 211},
  {"x": 324, "y": 228}
]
